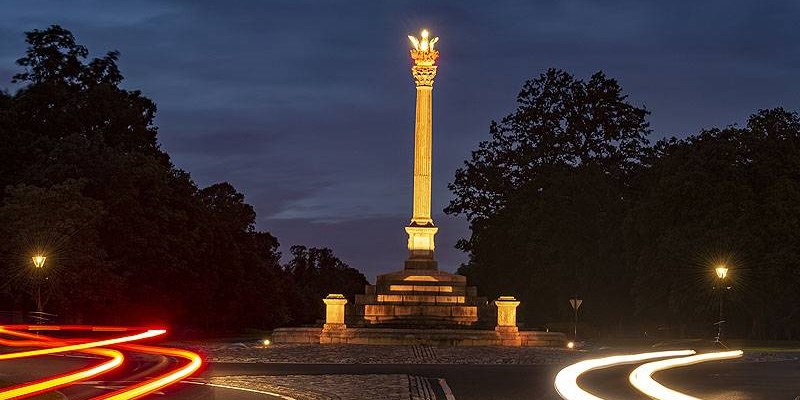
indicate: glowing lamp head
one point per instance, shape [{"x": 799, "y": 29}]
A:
[
  {"x": 38, "y": 261},
  {"x": 721, "y": 271},
  {"x": 570, "y": 345},
  {"x": 266, "y": 342}
]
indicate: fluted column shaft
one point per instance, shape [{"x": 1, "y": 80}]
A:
[{"x": 423, "y": 147}]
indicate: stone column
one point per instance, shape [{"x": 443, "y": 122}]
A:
[
  {"x": 421, "y": 230},
  {"x": 507, "y": 321},
  {"x": 334, "y": 312},
  {"x": 423, "y": 145}
]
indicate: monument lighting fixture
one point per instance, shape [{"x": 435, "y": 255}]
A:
[
  {"x": 38, "y": 260},
  {"x": 570, "y": 345},
  {"x": 266, "y": 342},
  {"x": 722, "y": 271}
]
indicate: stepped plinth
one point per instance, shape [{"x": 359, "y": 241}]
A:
[{"x": 419, "y": 297}]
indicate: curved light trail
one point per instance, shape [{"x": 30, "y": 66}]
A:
[
  {"x": 82, "y": 346},
  {"x": 53, "y": 345},
  {"x": 566, "y": 382},
  {"x": 642, "y": 377},
  {"x": 24, "y": 390},
  {"x": 159, "y": 382},
  {"x": 29, "y": 389}
]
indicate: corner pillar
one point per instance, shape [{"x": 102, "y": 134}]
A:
[{"x": 507, "y": 321}]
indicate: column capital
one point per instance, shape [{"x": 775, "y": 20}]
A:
[
  {"x": 335, "y": 299},
  {"x": 424, "y": 56},
  {"x": 423, "y": 75}
]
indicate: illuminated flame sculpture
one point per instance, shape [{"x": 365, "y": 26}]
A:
[{"x": 421, "y": 230}]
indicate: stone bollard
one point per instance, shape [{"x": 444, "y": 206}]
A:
[
  {"x": 334, "y": 311},
  {"x": 507, "y": 321}
]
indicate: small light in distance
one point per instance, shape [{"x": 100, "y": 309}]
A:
[
  {"x": 642, "y": 377},
  {"x": 570, "y": 345},
  {"x": 266, "y": 342},
  {"x": 566, "y": 382}
]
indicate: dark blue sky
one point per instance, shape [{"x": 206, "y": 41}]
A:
[{"x": 307, "y": 107}]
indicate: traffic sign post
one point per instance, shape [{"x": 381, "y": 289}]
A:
[{"x": 576, "y": 304}]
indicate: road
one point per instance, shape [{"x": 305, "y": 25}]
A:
[
  {"x": 715, "y": 381},
  {"x": 139, "y": 368}
]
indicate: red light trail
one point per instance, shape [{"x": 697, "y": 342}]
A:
[{"x": 52, "y": 345}]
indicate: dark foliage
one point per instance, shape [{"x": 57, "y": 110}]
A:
[
  {"x": 129, "y": 237},
  {"x": 567, "y": 199},
  {"x": 316, "y": 273}
]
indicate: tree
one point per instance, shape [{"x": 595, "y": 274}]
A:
[
  {"x": 725, "y": 195},
  {"x": 559, "y": 121},
  {"x": 151, "y": 246},
  {"x": 545, "y": 194},
  {"x": 61, "y": 223},
  {"x": 316, "y": 273}
]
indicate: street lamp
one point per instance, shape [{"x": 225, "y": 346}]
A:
[
  {"x": 722, "y": 271},
  {"x": 38, "y": 262}
]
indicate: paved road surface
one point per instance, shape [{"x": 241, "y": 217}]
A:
[
  {"x": 140, "y": 367},
  {"x": 714, "y": 381}
]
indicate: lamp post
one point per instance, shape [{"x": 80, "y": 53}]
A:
[
  {"x": 38, "y": 263},
  {"x": 722, "y": 272}
]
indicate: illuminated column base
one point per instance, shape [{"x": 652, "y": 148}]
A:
[
  {"x": 507, "y": 321},
  {"x": 421, "y": 247},
  {"x": 334, "y": 312}
]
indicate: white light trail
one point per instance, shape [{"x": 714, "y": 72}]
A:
[
  {"x": 566, "y": 382},
  {"x": 642, "y": 377}
]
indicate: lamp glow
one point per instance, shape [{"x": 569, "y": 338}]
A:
[
  {"x": 38, "y": 260},
  {"x": 722, "y": 271}
]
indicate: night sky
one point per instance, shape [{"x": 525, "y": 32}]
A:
[{"x": 307, "y": 107}]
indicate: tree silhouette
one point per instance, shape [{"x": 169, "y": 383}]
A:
[{"x": 81, "y": 153}]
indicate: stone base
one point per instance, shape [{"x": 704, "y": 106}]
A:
[
  {"x": 333, "y": 333},
  {"x": 507, "y": 330},
  {"x": 334, "y": 327},
  {"x": 296, "y": 335},
  {"x": 432, "y": 337},
  {"x": 509, "y": 335},
  {"x": 419, "y": 297}
]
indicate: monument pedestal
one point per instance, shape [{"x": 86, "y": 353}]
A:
[{"x": 419, "y": 297}]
